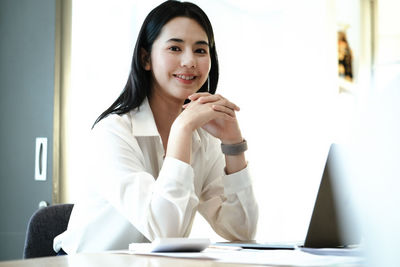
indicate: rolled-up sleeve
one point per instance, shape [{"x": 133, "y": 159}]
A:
[{"x": 228, "y": 203}]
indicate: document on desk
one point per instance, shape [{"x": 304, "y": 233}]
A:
[
  {"x": 357, "y": 251},
  {"x": 265, "y": 257}
]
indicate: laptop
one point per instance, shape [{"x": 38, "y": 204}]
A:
[{"x": 332, "y": 224}]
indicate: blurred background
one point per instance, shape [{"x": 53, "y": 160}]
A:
[{"x": 305, "y": 74}]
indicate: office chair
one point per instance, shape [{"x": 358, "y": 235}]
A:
[{"x": 44, "y": 225}]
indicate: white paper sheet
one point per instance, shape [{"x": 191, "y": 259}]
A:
[
  {"x": 335, "y": 251},
  {"x": 269, "y": 257}
]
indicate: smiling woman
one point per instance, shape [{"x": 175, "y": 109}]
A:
[
  {"x": 277, "y": 62},
  {"x": 179, "y": 60},
  {"x": 157, "y": 161}
]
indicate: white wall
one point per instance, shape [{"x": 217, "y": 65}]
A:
[
  {"x": 376, "y": 171},
  {"x": 387, "y": 61},
  {"x": 278, "y": 63}
]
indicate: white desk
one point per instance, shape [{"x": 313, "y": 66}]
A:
[
  {"x": 111, "y": 260},
  {"x": 122, "y": 260}
]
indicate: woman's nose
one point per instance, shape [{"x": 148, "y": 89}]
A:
[{"x": 188, "y": 60}]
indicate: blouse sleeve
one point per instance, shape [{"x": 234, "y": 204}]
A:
[
  {"x": 157, "y": 206},
  {"x": 227, "y": 202}
]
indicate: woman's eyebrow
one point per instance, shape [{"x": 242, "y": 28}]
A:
[
  {"x": 202, "y": 43},
  {"x": 177, "y": 40}
]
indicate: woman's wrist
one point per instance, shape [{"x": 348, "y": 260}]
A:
[
  {"x": 234, "y": 149},
  {"x": 232, "y": 141},
  {"x": 180, "y": 141},
  {"x": 183, "y": 125},
  {"x": 234, "y": 156},
  {"x": 235, "y": 163},
  {"x": 234, "y": 137}
]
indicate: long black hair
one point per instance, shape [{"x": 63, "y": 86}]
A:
[{"x": 138, "y": 86}]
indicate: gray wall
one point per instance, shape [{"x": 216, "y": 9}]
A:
[{"x": 27, "y": 60}]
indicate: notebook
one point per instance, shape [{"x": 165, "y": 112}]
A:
[{"x": 331, "y": 224}]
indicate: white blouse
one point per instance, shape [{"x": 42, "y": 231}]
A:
[{"x": 136, "y": 194}]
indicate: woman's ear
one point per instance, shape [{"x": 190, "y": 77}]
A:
[{"x": 145, "y": 59}]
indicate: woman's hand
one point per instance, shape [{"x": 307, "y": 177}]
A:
[{"x": 215, "y": 114}]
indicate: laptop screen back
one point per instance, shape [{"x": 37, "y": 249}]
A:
[{"x": 331, "y": 222}]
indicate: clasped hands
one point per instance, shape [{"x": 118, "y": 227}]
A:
[{"x": 213, "y": 113}]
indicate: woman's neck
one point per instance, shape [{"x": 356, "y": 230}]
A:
[{"x": 165, "y": 111}]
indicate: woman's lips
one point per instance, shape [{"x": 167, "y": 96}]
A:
[{"x": 185, "y": 78}]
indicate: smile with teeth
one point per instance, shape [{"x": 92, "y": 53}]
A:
[{"x": 185, "y": 77}]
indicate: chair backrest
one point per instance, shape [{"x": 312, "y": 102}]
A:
[{"x": 44, "y": 225}]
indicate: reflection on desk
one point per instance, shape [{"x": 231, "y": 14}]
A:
[
  {"x": 108, "y": 259},
  {"x": 125, "y": 260}
]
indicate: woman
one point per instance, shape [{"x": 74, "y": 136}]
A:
[{"x": 157, "y": 160}]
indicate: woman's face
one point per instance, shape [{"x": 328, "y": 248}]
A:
[{"x": 180, "y": 59}]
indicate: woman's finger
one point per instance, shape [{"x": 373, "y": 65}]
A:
[
  {"x": 224, "y": 109},
  {"x": 196, "y": 96},
  {"x": 224, "y": 116},
  {"x": 218, "y": 99},
  {"x": 209, "y": 98},
  {"x": 228, "y": 104}
]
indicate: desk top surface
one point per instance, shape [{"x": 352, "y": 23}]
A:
[
  {"x": 125, "y": 260},
  {"x": 108, "y": 259}
]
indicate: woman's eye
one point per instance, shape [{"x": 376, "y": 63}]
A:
[
  {"x": 174, "y": 48},
  {"x": 201, "y": 51}
]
